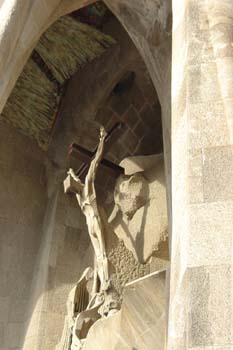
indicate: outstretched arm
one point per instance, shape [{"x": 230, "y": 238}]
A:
[
  {"x": 98, "y": 156},
  {"x": 72, "y": 174}
]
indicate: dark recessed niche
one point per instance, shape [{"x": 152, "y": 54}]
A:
[{"x": 124, "y": 84}]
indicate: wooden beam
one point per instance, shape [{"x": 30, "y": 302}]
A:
[{"x": 86, "y": 156}]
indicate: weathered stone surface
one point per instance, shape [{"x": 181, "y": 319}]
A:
[
  {"x": 141, "y": 323},
  {"x": 209, "y": 294}
]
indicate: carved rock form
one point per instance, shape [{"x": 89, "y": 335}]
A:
[
  {"x": 83, "y": 309},
  {"x": 77, "y": 302},
  {"x": 141, "y": 322},
  {"x": 141, "y": 200},
  {"x": 138, "y": 164},
  {"x": 84, "y": 321}
]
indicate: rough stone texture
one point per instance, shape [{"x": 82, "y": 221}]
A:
[
  {"x": 140, "y": 324},
  {"x": 125, "y": 268},
  {"x": 22, "y": 202},
  {"x": 147, "y": 226}
]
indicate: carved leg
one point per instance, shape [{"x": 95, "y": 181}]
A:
[
  {"x": 95, "y": 288},
  {"x": 102, "y": 263},
  {"x": 106, "y": 272}
]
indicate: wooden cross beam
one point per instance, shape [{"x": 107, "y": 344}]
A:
[{"x": 86, "y": 156}]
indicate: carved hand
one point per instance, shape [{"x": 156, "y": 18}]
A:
[
  {"x": 103, "y": 132},
  {"x": 72, "y": 174}
]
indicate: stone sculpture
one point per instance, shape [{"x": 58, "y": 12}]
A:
[
  {"x": 85, "y": 306},
  {"x": 130, "y": 194},
  {"x": 139, "y": 216},
  {"x": 86, "y": 197},
  {"x": 77, "y": 302}
]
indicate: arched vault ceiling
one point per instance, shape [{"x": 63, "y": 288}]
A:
[{"x": 63, "y": 49}]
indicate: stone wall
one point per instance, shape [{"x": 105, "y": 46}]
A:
[
  {"x": 139, "y": 111},
  {"x": 22, "y": 203}
]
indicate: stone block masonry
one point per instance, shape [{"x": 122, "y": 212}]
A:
[{"x": 201, "y": 292}]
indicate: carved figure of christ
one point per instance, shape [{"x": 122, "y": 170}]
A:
[{"x": 86, "y": 197}]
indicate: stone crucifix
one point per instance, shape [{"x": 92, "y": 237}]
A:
[{"x": 86, "y": 197}]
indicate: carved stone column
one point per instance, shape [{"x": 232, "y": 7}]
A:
[{"x": 201, "y": 293}]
